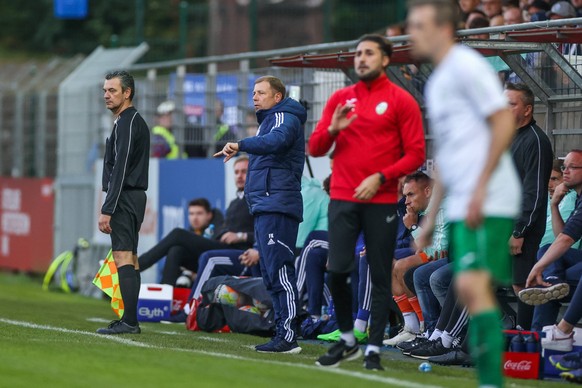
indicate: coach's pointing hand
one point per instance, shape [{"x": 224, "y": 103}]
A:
[
  {"x": 229, "y": 150},
  {"x": 104, "y": 225}
]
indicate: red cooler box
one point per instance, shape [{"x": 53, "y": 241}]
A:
[
  {"x": 155, "y": 302},
  {"x": 522, "y": 365}
]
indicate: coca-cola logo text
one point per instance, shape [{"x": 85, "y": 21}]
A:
[{"x": 523, "y": 365}]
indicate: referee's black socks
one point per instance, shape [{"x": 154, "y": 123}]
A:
[{"x": 129, "y": 287}]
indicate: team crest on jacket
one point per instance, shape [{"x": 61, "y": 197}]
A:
[{"x": 381, "y": 108}]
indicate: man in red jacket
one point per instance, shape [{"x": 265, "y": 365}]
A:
[{"x": 377, "y": 130}]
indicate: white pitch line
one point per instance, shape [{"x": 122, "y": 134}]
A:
[
  {"x": 125, "y": 341},
  {"x": 212, "y": 339}
]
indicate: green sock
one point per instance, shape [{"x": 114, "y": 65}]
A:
[{"x": 486, "y": 344}]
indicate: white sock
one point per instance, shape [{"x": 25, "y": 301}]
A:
[
  {"x": 411, "y": 322},
  {"x": 372, "y": 349},
  {"x": 349, "y": 338},
  {"x": 436, "y": 334},
  {"x": 447, "y": 340},
  {"x": 361, "y": 325}
]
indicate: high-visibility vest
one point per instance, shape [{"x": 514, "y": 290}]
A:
[{"x": 170, "y": 139}]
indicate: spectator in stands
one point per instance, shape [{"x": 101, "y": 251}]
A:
[
  {"x": 476, "y": 14},
  {"x": 224, "y": 133},
  {"x": 163, "y": 141},
  {"x": 512, "y": 15},
  {"x": 561, "y": 264},
  {"x": 395, "y": 30},
  {"x": 532, "y": 154},
  {"x": 565, "y": 10},
  {"x": 492, "y": 8},
  {"x": 507, "y": 4},
  {"x": 562, "y": 10},
  {"x": 417, "y": 191},
  {"x": 578, "y": 5},
  {"x": 479, "y": 23},
  {"x": 537, "y": 10},
  {"x": 183, "y": 248},
  {"x": 468, "y": 6},
  {"x": 546, "y": 314}
]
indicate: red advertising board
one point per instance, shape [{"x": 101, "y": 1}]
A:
[{"x": 26, "y": 223}]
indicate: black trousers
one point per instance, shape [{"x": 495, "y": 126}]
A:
[
  {"x": 379, "y": 224},
  {"x": 182, "y": 248}
]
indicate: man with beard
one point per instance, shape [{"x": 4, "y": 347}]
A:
[{"x": 377, "y": 130}]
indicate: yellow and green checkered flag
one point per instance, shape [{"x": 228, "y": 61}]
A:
[{"x": 107, "y": 280}]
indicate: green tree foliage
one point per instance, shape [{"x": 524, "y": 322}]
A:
[
  {"x": 30, "y": 26},
  {"x": 353, "y": 18}
]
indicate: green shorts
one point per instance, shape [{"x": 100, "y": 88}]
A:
[{"x": 485, "y": 248}]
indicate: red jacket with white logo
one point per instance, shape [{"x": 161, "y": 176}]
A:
[{"x": 387, "y": 137}]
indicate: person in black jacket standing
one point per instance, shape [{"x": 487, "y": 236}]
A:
[
  {"x": 533, "y": 156},
  {"x": 125, "y": 180}
]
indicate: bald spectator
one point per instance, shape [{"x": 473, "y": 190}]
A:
[
  {"x": 497, "y": 21},
  {"x": 512, "y": 16}
]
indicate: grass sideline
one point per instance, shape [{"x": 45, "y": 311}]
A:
[{"x": 48, "y": 339}]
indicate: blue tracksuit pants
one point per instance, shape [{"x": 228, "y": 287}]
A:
[{"x": 276, "y": 234}]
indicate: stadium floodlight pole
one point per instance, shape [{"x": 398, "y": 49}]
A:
[{"x": 346, "y": 45}]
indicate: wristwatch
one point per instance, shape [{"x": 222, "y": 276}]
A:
[
  {"x": 240, "y": 236},
  {"x": 382, "y": 178},
  {"x": 413, "y": 227},
  {"x": 517, "y": 234}
]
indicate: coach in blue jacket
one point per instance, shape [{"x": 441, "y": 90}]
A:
[{"x": 273, "y": 192}]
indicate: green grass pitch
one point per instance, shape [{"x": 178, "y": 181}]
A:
[{"x": 47, "y": 340}]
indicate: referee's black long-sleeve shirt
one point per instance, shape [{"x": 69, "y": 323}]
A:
[
  {"x": 126, "y": 161},
  {"x": 533, "y": 156}
]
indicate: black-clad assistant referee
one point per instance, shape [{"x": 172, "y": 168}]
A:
[{"x": 125, "y": 180}]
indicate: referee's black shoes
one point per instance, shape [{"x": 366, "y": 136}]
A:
[
  {"x": 119, "y": 327},
  {"x": 338, "y": 353}
]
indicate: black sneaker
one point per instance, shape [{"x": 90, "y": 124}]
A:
[
  {"x": 372, "y": 361},
  {"x": 430, "y": 349},
  {"x": 338, "y": 353},
  {"x": 408, "y": 346},
  {"x": 180, "y": 317},
  {"x": 279, "y": 345},
  {"x": 119, "y": 327},
  {"x": 455, "y": 356}
]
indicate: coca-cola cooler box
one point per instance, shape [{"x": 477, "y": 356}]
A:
[
  {"x": 549, "y": 369},
  {"x": 522, "y": 358}
]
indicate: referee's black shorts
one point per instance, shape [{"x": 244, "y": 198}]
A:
[{"x": 126, "y": 221}]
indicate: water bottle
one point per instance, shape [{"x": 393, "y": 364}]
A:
[
  {"x": 531, "y": 344},
  {"x": 209, "y": 232},
  {"x": 518, "y": 344}
]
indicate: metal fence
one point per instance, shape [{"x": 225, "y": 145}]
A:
[{"x": 45, "y": 131}]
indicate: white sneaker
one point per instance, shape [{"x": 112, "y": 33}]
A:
[
  {"x": 405, "y": 335},
  {"x": 556, "y": 340}
]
